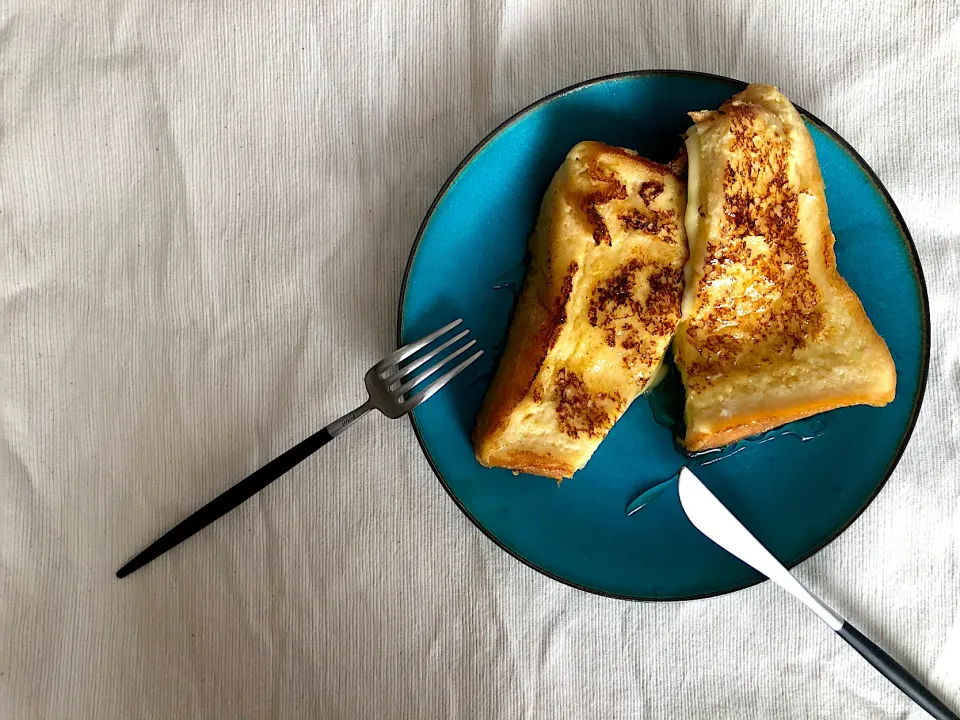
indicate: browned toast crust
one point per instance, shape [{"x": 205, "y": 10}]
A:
[
  {"x": 771, "y": 332},
  {"x": 602, "y": 291}
]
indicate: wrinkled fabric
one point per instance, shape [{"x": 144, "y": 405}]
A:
[{"x": 205, "y": 212}]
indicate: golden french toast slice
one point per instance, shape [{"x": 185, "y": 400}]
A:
[
  {"x": 770, "y": 331},
  {"x": 599, "y": 305}
]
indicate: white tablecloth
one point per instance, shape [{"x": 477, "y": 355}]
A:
[{"x": 205, "y": 212}]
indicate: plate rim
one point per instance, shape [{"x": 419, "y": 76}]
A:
[{"x": 871, "y": 176}]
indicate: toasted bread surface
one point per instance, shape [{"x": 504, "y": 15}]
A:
[
  {"x": 600, "y": 302},
  {"x": 770, "y": 331},
  {"x": 599, "y": 305}
]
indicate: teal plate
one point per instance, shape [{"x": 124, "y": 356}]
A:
[{"x": 797, "y": 488}]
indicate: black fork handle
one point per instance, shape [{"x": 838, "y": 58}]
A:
[
  {"x": 228, "y": 500},
  {"x": 243, "y": 490}
]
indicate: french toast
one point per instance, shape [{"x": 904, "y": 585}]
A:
[
  {"x": 770, "y": 332},
  {"x": 599, "y": 305}
]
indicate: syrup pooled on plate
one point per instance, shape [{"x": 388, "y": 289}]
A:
[{"x": 666, "y": 403}]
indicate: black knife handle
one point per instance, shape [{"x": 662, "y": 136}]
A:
[{"x": 896, "y": 673}]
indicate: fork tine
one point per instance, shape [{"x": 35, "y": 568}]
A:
[
  {"x": 402, "y": 372},
  {"x": 410, "y": 348},
  {"x": 439, "y": 382},
  {"x": 427, "y": 373}
]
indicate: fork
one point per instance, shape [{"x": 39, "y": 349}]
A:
[{"x": 393, "y": 388}]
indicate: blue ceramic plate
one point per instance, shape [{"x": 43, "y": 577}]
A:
[{"x": 797, "y": 488}]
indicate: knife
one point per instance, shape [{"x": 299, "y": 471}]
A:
[{"x": 712, "y": 518}]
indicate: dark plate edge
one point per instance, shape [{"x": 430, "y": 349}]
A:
[{"x": 871, "y": 175}]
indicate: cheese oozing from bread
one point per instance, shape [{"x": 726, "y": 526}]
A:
[
  {"x": 770, "y": 331},
  {"x": 599, "y": 305}
]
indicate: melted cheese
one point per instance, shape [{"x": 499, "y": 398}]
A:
[{"x": 693, "y": 269}]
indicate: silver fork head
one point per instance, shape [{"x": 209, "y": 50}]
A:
[{"x": 409, "y": 376}]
